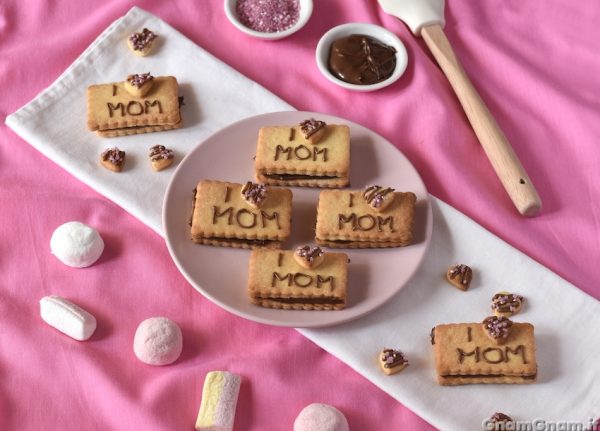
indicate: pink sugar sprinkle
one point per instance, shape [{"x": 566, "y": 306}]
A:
[{"x": 268, "y": 16}]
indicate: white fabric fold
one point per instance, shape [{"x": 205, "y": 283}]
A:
[
  {"x": 565, "y": 318},
  {"x": 215, "y": 95},
  {"x": 566, "y": 322}
]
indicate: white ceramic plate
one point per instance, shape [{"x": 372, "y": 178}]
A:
[{"x": 220, "y": 273}]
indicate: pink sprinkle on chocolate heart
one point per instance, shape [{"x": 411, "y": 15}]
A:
[
  {"x": 497, "y": 327},
  {"x": 255, "y": 194},
  {"x": 139, "y": 41},
  {"x": 309, "y": 253}
]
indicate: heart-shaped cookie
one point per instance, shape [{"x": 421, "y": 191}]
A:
[
  {"x": 460, "y": 276},
  {"x": 161, "y": 157},
  {"x": 309, "y": 256},
  {"x": 113, "y": 159},
  {"x": 392, "y": 361},
  {"x": 501, "y": 418},
  {"x": 254, "y": 194},
  {"x": 139, "y": 84},
  {"x": 506, "y": 304},
  {"x": 141, "y": 43},
  {"x": 378, "y": 198},
  {"x": 497, "y": 328},
  {"x": 312, "y": 130}
]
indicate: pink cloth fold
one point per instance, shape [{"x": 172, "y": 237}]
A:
[{"x": 535, "y": 65}]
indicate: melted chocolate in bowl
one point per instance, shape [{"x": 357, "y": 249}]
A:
[{"x": 362, "y": 60}]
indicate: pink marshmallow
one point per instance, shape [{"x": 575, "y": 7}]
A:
[
  {"x": 158, "y": 341},
  {"x": 320, "y": 417}
]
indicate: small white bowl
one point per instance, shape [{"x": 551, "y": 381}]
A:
[
  {"x": 306, "y": 8},
  {"x": 376, "y": 32}
]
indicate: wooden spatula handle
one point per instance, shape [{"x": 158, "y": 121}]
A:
[{"x": 497, "y": 148}]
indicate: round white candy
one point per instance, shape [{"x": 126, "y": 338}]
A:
[
  {"x": 320, "y": 417},
  {"x": 76, "y": 244},
  {"x": 158, "y": 341}
]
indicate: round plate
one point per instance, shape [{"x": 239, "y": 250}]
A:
[{"x": 221, "y": 273}]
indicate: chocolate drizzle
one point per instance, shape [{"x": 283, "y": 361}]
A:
[
  {"x": 392, "y": 358},
  {"x": 160, "y": 152},
  {"x": 463, "y": 272},
  {"x": 507, "y": 302},
  {"x": 374, "y": 195},
  {"x": 114, "y": 156}
]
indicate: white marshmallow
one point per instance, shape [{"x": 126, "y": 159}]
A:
[
  {"x": 158, "y": 341},
  {"x": 67, "y": 317},
  {"x": 76, "y": 244}
]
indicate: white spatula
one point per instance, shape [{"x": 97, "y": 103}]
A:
[{"x": 426, "y": 19}]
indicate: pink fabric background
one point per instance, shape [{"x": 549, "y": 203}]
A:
[{"x": 535, "y": 63}]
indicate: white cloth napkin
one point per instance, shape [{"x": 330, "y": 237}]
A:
[
  {"x": 566, "y": 324},
  {"x": 566, "y": 319},
  {"x": 215, "y": 95}
]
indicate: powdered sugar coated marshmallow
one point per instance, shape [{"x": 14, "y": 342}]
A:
[
  {"x": 219, "y": 400},
  {"x": 320, "y": 417},
  {"x": 76, "y": 244},
  {"x": 158, "y": 341},
  {"x": 68, "y": 318}
]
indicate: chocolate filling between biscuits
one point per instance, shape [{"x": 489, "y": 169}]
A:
[
  {"x": 284, "y": 177},
  {"x": 355, "y": 241},
  {"x": 258, "y": 242},
  {"x": 480, "y": 376},
  {"x": 138, "y": 127},
  {"x": 193, "y": 208},
  {"x": 320, "y": 300}
]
